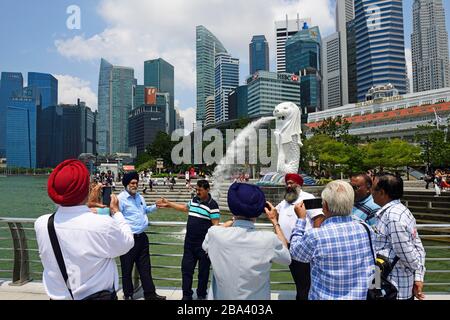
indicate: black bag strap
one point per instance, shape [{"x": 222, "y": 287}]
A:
[
  {"x": 57, "y": 251},
  {"x": 370, "y": 240},
  {"x": 396, "y": 259}
]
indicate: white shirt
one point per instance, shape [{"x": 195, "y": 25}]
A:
[
  {"x": 241, "y": 258},
  {"x": 89, "y": 243},
  {"x": 287, "y": 217}
]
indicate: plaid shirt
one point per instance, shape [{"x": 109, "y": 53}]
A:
[
  {"x": 366, "y": 210},
  {"x": 396, "y": 235},
  {"x": 340, "y": 255}
]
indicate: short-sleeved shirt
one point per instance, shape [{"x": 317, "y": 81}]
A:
[
  {"x": 199, "y": 219},
  {"x": 288, "y": 218},
  {"x": 366, "y": 210}
]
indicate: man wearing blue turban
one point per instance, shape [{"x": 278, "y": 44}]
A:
[{"x": 241, "y": 256}]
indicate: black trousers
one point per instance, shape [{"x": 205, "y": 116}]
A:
[
  {"x": 301, "y": 272},
  {"x": 140, "y": 256},
  {"x": 193, "y": 254}
]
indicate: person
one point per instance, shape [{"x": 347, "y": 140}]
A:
[
  {"x": 89, "y": 243},
  {"x": 203, "y": 212},
  {"x": 397, "y": 237},
  {"x": 150, "y": 184},
  {"x": 340, "y": 253},
  {"x": 242, "y": 256},
  {"x": 294, "y": 194},
  {"x": 364, "y": 208},
  {"x": 172, "y": 183},
  {"x": 437, "y": 183},
  {"x": 135, "y": 211}
]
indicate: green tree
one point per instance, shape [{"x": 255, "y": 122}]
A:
[
  {"x": 162, "y": 148},
  {"x": 435, "y": 146},
  {"x": 334, "y": 128},
  {"x": 390, "y": 154}
]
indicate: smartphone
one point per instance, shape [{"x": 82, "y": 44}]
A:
[
  {"x": 313, "y": 203},
  {"x": 266, "y": 205},
  {"x": 106, "y": 195}
]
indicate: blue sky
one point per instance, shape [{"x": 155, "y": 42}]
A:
[{"x": 34, "y": 36}]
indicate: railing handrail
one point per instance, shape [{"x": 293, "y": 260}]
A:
[
  {"x": 183, "y": 223},
  {"x": 22, "y": 272}
]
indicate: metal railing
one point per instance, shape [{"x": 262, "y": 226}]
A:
[{"x": 20, "y": 262}]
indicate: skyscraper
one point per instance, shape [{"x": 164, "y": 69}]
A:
[
  {"x": 226, "y": 80},
  {"x": 160, "y": 74},
  {"x": 332, "y": 93},
  {"x": 429, "y": 41},
  {"x": 268, "y": 89},
  {"x": 21, "y": 129},
  {"x": 46, "y": 85},
  {"x": 207, "y": 46},
  {"x": 210, "y": 117},
  {"x": 303, "y": 59},
  {"x": 11, "y": 83},
  {"x": 380, "y": 47},
  {"x": 284, "y": 30},
  {"x": 259, "y": 54},
  {"x": 115, "y": 101},
  {"x": 146, "y": 121}
]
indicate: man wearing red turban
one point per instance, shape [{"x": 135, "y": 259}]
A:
[
  {"x": 88, "y": 242},
  {"x": 288, "y": 219}
]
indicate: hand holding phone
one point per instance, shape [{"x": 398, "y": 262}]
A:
[{"x": 313, "y": 203}]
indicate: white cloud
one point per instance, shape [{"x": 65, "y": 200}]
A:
[
  {"x": 408, "y": 56},
  {"x": 138, "y": 30},
  {"x": 189, "y": 119},
  {"x": 72, "y": 88}
]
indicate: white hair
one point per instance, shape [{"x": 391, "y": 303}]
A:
[{"x": 340, "y": 197}]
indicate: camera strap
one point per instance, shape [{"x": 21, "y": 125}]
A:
[{"x": 57, "y": 251}]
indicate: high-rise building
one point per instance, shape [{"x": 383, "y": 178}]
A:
[
  {"x": 237, "y": 103},
  {"x": 146, "y": 121},
  {"x": 115, "y": 101},
  {"x": 21, "y": 127},
  {"x": 351, "y": 63},
  {"x": 380, "y": 45},
  {"x": 210, "y": 117},
  {"x": 268, "y": 89},
  {"x": 226, "y": 80},
  {"x": 331, "y": 72},
  {"x": 429, "y": 42},
  {"x": 284, "y": 30},
  {"x": 160, "y": 74},
  {"x": 335, "y": 86},
  {"x": 303, "y": 59},
  {"x": 259, "y": 54},
  {"x": 46, "y": 85},
  {"x": 11, "y": 83},
  {"x": 78, "y": 134},
  {"x": 207, "y": 46},
  {"x": 49, "y": 137}
]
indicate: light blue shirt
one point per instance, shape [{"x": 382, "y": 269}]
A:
[
  {"x": 241, "y": 258},
  {"x": 135, "y": 210}
]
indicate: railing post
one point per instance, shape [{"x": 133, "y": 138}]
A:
[
  {"x": 21, "y": 271},
  {"x": 136, "y": 280}
]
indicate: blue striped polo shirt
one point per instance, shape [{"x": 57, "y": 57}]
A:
[{"x": 199, "y": 220}]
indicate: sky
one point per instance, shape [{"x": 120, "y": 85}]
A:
[{"x": 34, "y": 37}]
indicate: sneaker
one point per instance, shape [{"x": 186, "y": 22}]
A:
[
  {"x": 201, "y": 298},
  {"x": 128, "y": 298},
  {"x": 186, "y": 298},
  {"x": 154, "y": 296}
]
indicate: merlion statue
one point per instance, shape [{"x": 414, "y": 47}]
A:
[{"x": 288, "y": 136}]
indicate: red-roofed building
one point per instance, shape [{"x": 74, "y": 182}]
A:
[{"x": 393, "y": 117}]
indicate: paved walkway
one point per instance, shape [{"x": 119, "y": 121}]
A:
[{"x": 35, "y": 291}]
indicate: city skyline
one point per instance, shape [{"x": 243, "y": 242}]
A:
[{"x": 73, "y": 56}]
